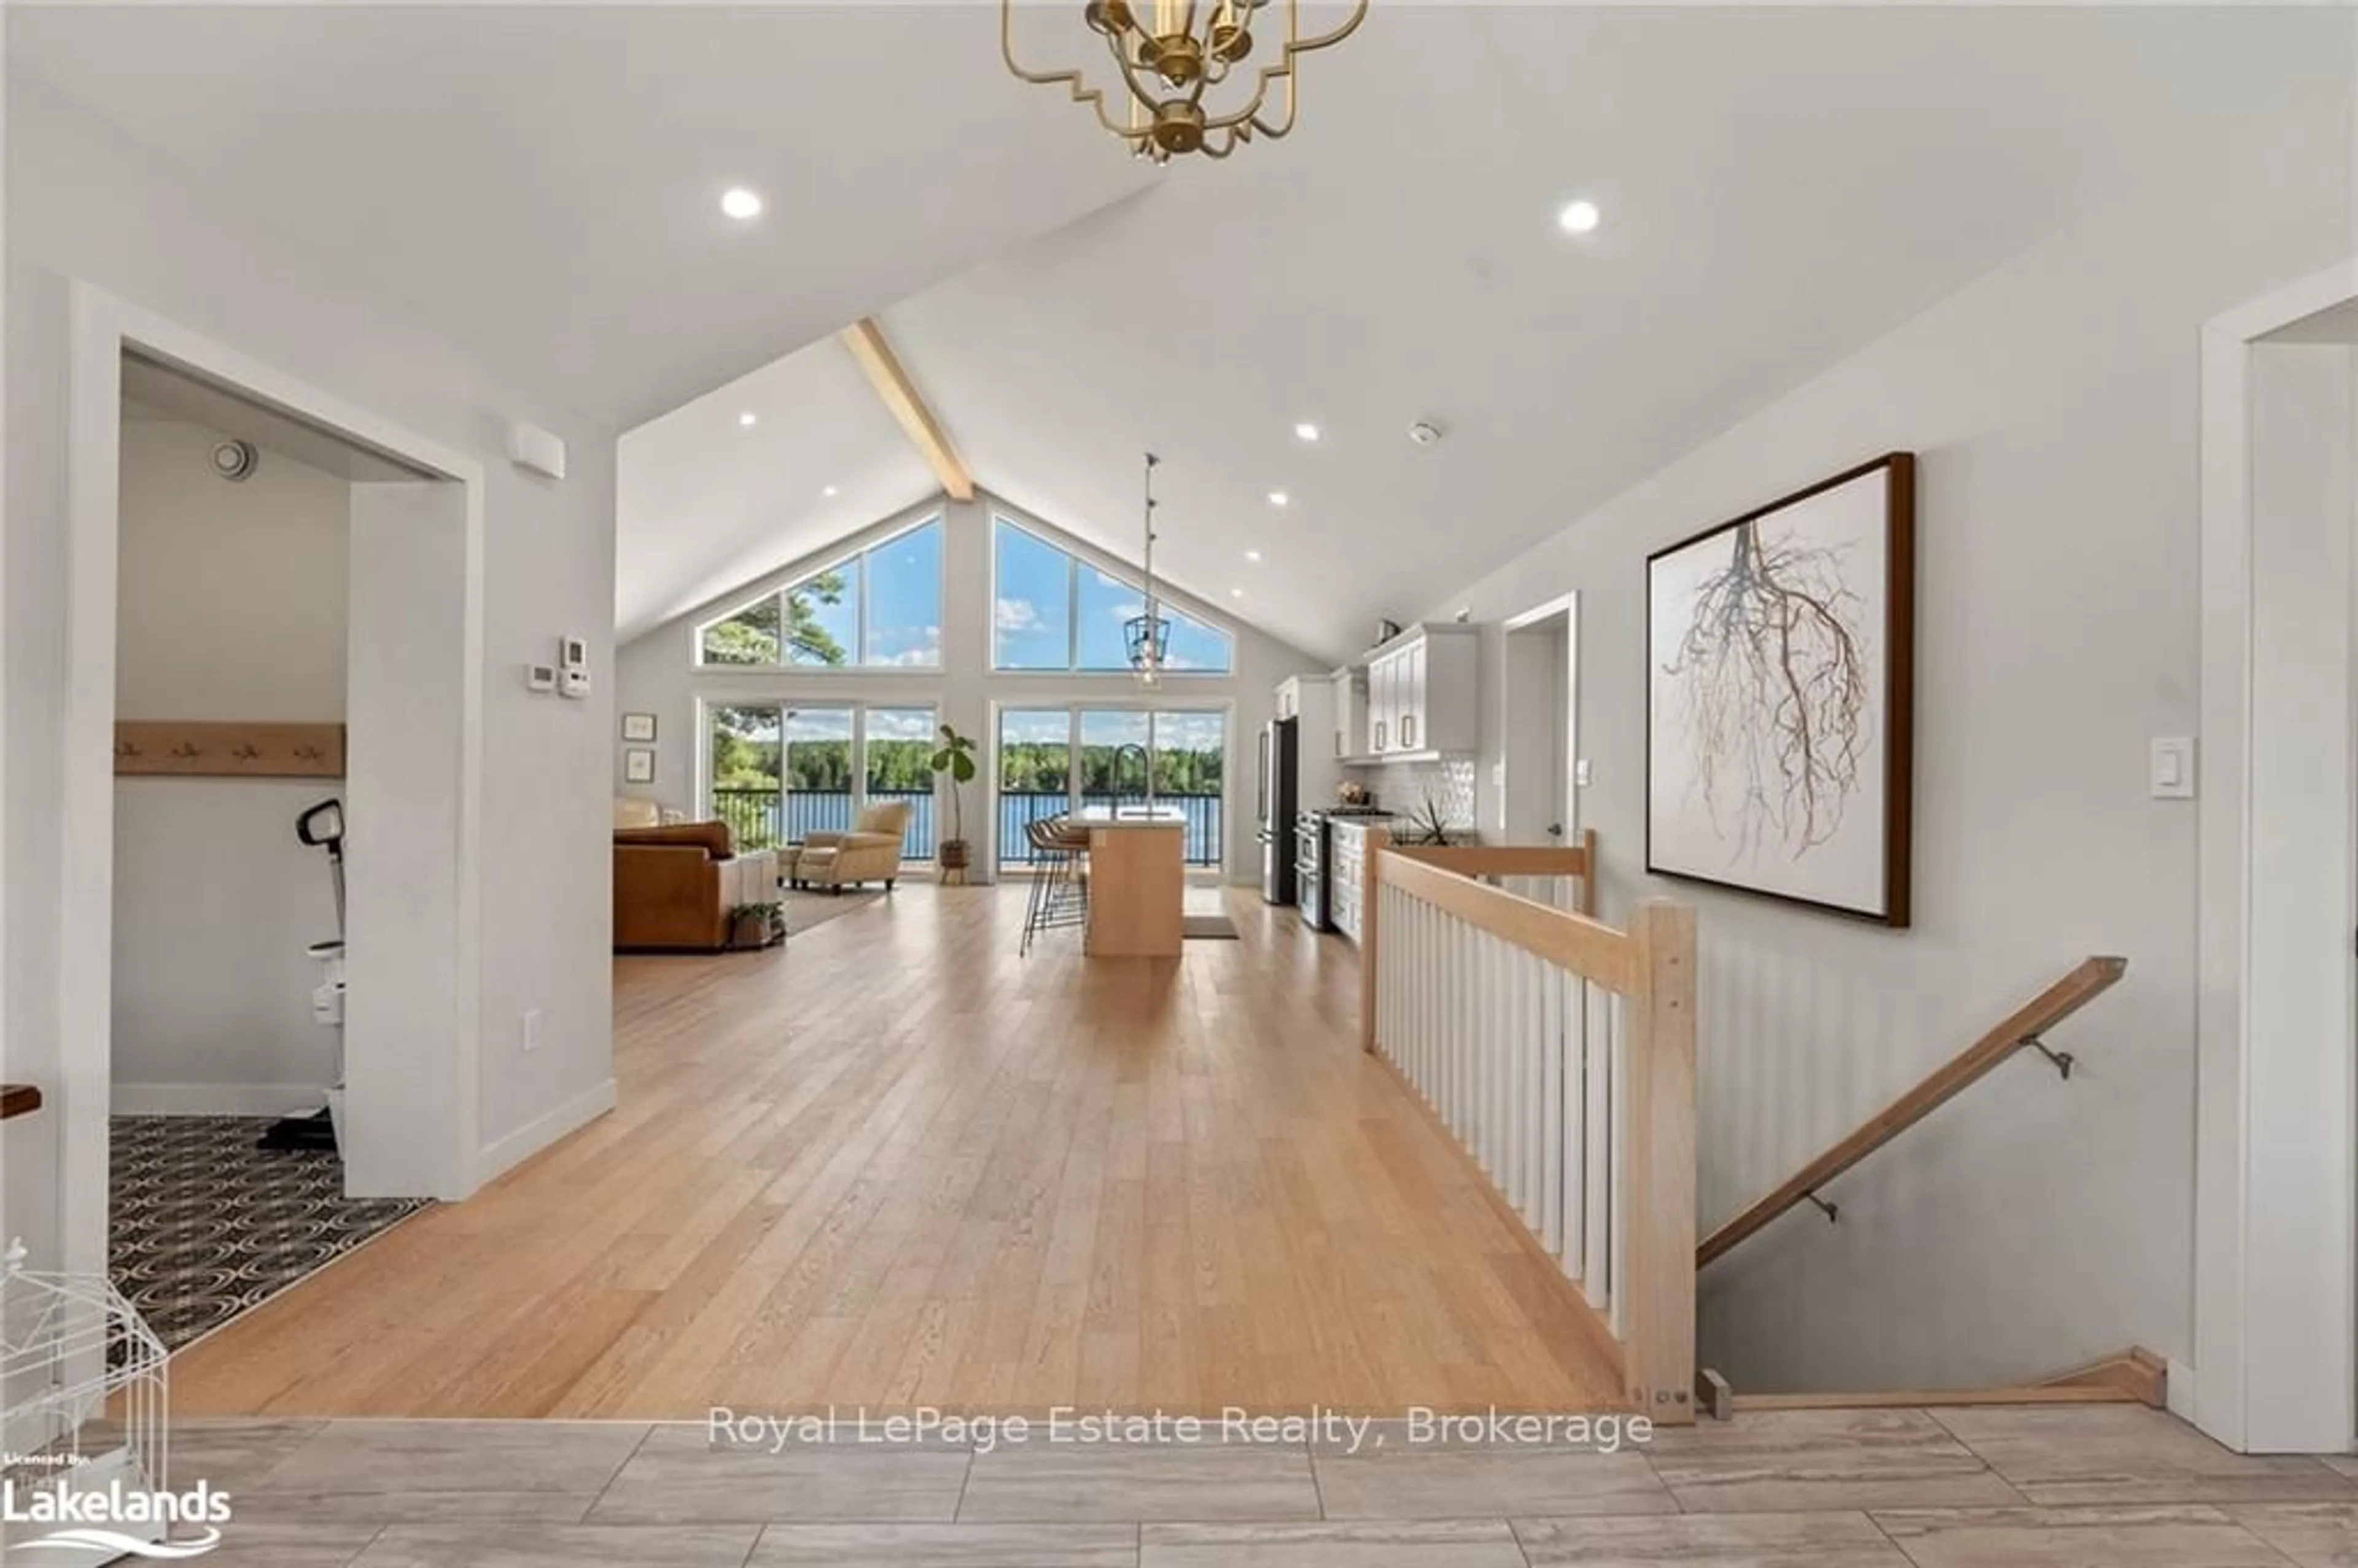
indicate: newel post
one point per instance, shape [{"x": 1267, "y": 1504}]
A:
[
  {"x": 1371, "y": 881},
  {"x": 1661, "y": 1169}
]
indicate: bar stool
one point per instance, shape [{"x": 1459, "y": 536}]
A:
[{"x": 1060, "y": 879}]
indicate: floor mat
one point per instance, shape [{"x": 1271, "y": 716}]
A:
[
  {"x": 1207, "y": 928},
  {"x": 204, "y": 1225}
]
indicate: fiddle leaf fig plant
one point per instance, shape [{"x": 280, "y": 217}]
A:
[{"x": 955, "y": 757}]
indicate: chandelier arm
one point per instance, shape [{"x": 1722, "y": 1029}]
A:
[
  {"x": 1295, "y": 45},
  {"x": 1072, "y": 81}
]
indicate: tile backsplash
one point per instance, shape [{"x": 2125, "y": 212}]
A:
[{"x": 1403, "y": 786}]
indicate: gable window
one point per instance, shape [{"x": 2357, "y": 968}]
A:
[
  {"x": 1051, "y": 611},
  {"x": 881, "y": 609}
]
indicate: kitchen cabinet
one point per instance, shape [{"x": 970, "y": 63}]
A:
[
  {"x": 1350, "y": 701},
  {"x": 1424, "y": 692},
  {"x": 1347, "y": 875},
  {"x": 1289, "y": 697}
]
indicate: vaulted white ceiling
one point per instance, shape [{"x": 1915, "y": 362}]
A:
[
  {"x": 543, "y": 182},
  {"x": 1778, "y": 186}
]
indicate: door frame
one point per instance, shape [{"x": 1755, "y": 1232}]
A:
[
  {"x": 1565, "y": 606},
  {"x": 101, "y": 328},
  {"x": 2276, "y": 1124}
]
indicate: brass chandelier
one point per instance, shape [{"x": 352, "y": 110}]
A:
[{"x": 1188, "y": 70}]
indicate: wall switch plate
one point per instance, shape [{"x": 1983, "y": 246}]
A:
[
  {"x": 2172, "y": 770},
  {"x": 1580, "y": 774},
  {"x": 532, "y": 1028}
]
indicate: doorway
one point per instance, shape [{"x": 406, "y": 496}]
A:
[
  {"x": 231, "y": 629},
  {"x": 412, "y": 695},
  {"x": 1539, "y": 767},
  {"x": 2276, "y": 1319}
]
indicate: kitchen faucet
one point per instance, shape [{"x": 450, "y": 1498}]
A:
[{"x": 1146, "y": 766}]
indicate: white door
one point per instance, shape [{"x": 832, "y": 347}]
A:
[{"x": 1539, "y": 804}]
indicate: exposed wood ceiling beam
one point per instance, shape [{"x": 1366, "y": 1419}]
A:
[{"x": 866, "y": 341}]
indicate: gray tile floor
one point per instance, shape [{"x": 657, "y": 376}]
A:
[{"x": 2086, "y": 1487}]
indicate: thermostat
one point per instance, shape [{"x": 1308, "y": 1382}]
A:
[{"x": 540, "y": 677}]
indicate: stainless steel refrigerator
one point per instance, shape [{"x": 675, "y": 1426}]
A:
[{"x": 1277, "y": 782}]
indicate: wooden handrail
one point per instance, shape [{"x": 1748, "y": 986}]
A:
[
  {"x": 18, "y": 1099},
  {"x": 2050, "y": 1007},
  {"x": 1577, "y": 861}
]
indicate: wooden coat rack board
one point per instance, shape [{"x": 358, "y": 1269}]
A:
[{"x": 196, "y": 750}]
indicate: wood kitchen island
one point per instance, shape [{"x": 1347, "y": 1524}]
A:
[{"x": 1137, "y": 881}]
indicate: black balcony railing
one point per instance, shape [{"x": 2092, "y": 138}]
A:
[
  {"x": 765, "y": 819},
  {"x": 1019, "y": 810}
]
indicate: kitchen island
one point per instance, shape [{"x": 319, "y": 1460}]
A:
[{"x": 1137, "y": 879}]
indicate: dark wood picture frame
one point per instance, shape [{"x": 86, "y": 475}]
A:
[{"x": 1899, "y": 709}]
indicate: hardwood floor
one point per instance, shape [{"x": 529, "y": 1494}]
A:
[{"x": 892, "y": 1164}]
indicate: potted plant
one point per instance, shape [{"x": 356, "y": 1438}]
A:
[
  {"x": 757, "y": 924},
  {"x": 956, "y": 758}
]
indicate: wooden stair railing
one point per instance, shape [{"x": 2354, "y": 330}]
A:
[
  {"x": 2023, "y": 1031},
  {"x": 18, "y": 1099}
]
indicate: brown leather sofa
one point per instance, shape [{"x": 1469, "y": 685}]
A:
[{"x": 675, "y": 888}]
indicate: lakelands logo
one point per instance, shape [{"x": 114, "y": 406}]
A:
[{"x": 115, "y": 1521}]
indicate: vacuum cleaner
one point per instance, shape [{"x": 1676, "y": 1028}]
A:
[{"x": 321, "y": 826}]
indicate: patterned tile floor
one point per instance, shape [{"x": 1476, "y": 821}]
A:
[
  {"x": 2051, "y": 1487},
  {"x": 204, "y": 1225}
]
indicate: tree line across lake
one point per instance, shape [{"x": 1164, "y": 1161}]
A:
[{"x": 743, "y": 760}]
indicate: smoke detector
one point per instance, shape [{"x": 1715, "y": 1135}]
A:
[
  {"x": 1424, "y": 433},
  {"x": 234, "y": 460}
]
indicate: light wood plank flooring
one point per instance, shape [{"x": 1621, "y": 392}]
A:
[
  {"x": 892, "y": 1164},
  {"x": 1884, "y": 1488}
]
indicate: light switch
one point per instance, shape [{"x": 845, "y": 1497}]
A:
[
  {"x": 1580, "y": 774},
  {"x": 2173, "y": 767}
]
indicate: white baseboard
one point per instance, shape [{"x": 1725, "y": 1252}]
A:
[
  {"x": 217, "y": 1100},
  {"x": 2178, "y": 1391},
  {"x": 504, "y": 1154}
]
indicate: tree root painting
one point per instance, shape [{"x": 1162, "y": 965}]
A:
[
  {"x": 1779, "y": 721},
  {"x": 1774, "y": 685}
]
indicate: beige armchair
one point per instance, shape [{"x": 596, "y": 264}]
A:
[{"x": 871, "y": 852}]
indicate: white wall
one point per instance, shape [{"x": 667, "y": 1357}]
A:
[
  {"x": 85, "y": 202},
  {"x": 656, "y": 674},
  {"x": 231, "y": 607},
  {"x": 2053, "y": 403}
]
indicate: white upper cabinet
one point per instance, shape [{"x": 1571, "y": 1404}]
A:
[
  {"x": 1289, "y": 697},
  {"x": 1424, "y": 692},
  {"x": 1350, "y": 712}
]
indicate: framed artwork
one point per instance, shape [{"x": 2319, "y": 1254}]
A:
[
  {"x": 639, "y": 765},
  {"x": 1779, "y": 712},
  {"x": 638, "y": 726}
]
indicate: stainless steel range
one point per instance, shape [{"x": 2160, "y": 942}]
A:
[{"x": 1313, "y": 851}]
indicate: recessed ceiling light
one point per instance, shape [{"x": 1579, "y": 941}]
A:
[
  {"x": 1278, "y": 497},
  {"x": 741, "y": 203},
  {"x": 1578, "y": 217},
  {"x": 1252, "y": 555},
  {"x": 829, "y": 491},
  {"x": 746, "y": 418},
  {"x": 1305, "y": 432},
  {"x": 1236, "y": 593}
]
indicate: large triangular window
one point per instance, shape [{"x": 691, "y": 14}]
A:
[
  {"x": 881, "y": 609},
  {"x": 1051, "y": 611}
]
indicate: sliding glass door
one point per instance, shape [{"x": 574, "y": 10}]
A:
[
  {"x": 781, "y": 772},
  {"x": 1057, "y": 759}
]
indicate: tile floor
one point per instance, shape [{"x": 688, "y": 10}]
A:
[{"x": 2086, "y": 1487}]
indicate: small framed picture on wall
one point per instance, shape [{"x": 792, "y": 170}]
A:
[
  {"x": 638, "y": 726},
  {"x": 639, "y": 765}
]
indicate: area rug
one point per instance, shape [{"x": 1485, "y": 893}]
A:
[
  {"x": 1207, "y": 928},
  {"x": 205, "y": 1226},
  {"x": 805, "y": 909}
]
